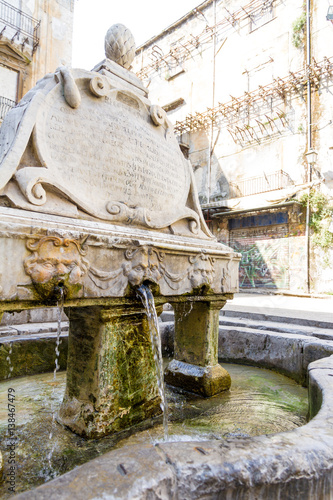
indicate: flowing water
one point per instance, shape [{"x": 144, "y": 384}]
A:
[
  {"x": 9, "y": 360},
  {"x": 259, "y": 402},
  {"x": 60, "y": 309},
  {"x": 147, "y": 299}
]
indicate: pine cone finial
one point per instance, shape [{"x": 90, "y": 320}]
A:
[{"x": 120, "y": 45}]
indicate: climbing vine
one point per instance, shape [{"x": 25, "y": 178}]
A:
[
  {"x": 320, "y": 217},
  {"x": 298, "y": 31}
]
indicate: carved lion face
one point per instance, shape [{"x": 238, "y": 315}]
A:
[
  {"x": 201, "y": 273},
  {"x": 144, "y": 265},
  {"x": 55, "y": 259},
  {"x": 138, "y": 268}
]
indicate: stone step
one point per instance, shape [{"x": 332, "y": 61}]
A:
[
  {"x": 28, "y": 329},
  {"x": 278, "y": 320},
  {"x": 248, "y": 331},
  {"x": 293, "y": 317},
  {"x": 276, "y": 326}
]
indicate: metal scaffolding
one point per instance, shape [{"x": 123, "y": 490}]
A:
[
  {"x": 183, "y": 48},
  {"x": 252, "y": 105}
]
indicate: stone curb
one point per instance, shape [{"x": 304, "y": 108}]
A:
[
  {"x": 32, "y": 328},
  {"x": 287, "y": 293},
  {"x": 288, "y": 354},
  {"x": 31, "y": 354}
]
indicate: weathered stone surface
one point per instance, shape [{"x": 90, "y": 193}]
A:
[
  {"x": 90, "y": 145},
  {"x": 31, "y": 355},
  {"x": 137, "y": 472},
  {"x": 120, "y": 45},
  {"x": 195, "y": 366},
  {"x": 128, "y": 168},
  {"x": 103, "y": 263},
  {"x": 287, "y": 353},
  {"x": 206, "y": 381},
  {"x": 167, "y": 333},
  {"x": 196, "y": 327},
  {"x": 271, "y": 350},
  {"x": 111, "y": 376},
  {"x": 44, "y": 315}
]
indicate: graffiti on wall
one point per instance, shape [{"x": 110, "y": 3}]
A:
[{"x": 265, "y": 256}]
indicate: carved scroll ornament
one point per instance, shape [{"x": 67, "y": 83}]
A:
[{"x": 83, "y": 142}]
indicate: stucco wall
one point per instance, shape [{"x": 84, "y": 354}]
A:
[
  {"x": 248, "y": 57},
  {"x": 54, "y": 45}
]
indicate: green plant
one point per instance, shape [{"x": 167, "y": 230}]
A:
[
  {"x": 298, "y": 31},
  {"x": 320, "y": 217}
]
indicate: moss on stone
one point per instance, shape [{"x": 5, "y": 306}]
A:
[{"x": 29, "y": 356}]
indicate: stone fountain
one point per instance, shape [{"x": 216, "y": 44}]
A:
[{"x": 96, "y": 199}]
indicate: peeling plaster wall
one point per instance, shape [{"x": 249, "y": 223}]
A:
[
  {"x": 56, "y": 29},
  {"x": 245, "y": 59},
  {"x": 55, "y": 45}
]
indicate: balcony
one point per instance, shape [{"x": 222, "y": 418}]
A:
[
  {"x": 18, "y": 26},
  {"x": 260, "y": 184},
  {"x": 5, "y": 106}
]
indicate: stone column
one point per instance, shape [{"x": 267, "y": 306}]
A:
[
  {"x": 111, "y": 377},
  {"x": 195, "y": 365}
]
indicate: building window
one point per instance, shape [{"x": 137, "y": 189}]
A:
[
  {"x": 8, "y": 89},
  {"x": 8, "y": 82},
  {"x": 262, "y": 16}
]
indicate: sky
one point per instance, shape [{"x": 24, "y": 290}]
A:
[{"x": 145, "y": 18}]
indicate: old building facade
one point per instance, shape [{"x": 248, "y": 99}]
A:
[
  {"x": 35, "y": 38},
  {"x": 248, "y": 85}
]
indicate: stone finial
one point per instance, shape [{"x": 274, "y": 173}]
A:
[{"x": 120, "y": 45}]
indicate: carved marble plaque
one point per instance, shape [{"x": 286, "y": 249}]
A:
[
  {"x": 108, "y": 150},
  {"x": 105, "y": 149}
]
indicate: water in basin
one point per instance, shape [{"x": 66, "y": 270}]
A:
[{"x": 259, "y": 402}]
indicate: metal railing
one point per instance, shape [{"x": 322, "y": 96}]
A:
[
  {"x": 5, "y": 106},
  {"x": 260, "y": 184},
  {"x": 16, "y": 24}
]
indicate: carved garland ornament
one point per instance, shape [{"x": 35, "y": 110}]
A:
[{"x": 55, "y": 259}]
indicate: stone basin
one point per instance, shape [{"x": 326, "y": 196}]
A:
[{"x": 293, "y": 464}]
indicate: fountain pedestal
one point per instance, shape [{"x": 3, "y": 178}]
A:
[
  {"x": 195, "y": 365},
  {"x": 111, "y": 378}
]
